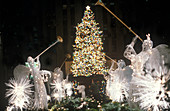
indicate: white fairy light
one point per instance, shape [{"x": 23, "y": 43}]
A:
[
  {"x": 55, "y": 95},
  {"x": 19, "y": 93}
]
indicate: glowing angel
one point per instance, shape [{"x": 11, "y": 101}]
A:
[
  {"x": 139, "y": 60},
  {"x": 19, "y": 93},
  {"x": 118, "y": 90},
  {"x": 118, "y": 84},
  {"x": 40, "y": 95},
  {"x": 57, "y": 75},
  {"x": 152, "y": 91},
  {"x": 61, "y": 88},
  {"x": 67, "y": 86},
  {"x": 81, "y": 89}
]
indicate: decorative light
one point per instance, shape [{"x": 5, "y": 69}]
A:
[
  {"x": 87, "y": 7},
  {"x": 88, "y": 57},
  {"x": 19, "y": 93},
  {"x": 151, "y": 91}
]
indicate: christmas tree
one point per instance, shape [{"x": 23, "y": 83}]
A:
[{"x": 88, "y": 58}]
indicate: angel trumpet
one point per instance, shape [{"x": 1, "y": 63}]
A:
[
  {"x": 59, "y": 39},
  {"x": 111, "y": 59},
  {"x": 99, "y": 2},
  {"x": 67, "y": 57},
  {"x": 108, "y": 57}
]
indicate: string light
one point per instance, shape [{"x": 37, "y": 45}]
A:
[{"x": 88, "y": 57}]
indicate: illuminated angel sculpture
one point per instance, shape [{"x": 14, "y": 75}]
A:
[
  {"x": 138, "y": 60},
  {"x": 39, "y": 77},
  {"x": 148, "y": 87},
  {"x": 40, "y": 95},
  {"x": 81, "y": 89},
  {"x": 61, "y": 88},
  {"x": 57, "y": 75},
  {"x": 67, "y": 86},
  {"x": 118, "y": 83}
]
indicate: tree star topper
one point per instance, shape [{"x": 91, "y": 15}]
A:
[{"x": 88, "y": 7}]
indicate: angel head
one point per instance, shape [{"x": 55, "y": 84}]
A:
[
  {"x": 121, "y": 63},
  {"x": 30, "y": 60},
  {"x": 58, "y": 74},
  {"x": 147, "y": 44},
  {"x": 57, "y": 69}
]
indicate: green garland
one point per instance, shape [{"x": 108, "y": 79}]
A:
[{"x": 88, "y": 104}]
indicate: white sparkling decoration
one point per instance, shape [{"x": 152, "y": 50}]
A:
[
  {"x": 118, "y": 90},
  {"x": 19, "y": 93},
  {"x": 151, "y": 91}
]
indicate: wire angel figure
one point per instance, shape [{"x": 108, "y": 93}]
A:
[
  {"x": 57, "y": 75},
  {"x": 61, "y": 88},
  {"x": 67, "y": 86},
  {"x": 58, "y": 91},
  {"x": 40, "y": 95},
  {"x": 138, "y": 60},
  {"x": 117, "y": 87}
]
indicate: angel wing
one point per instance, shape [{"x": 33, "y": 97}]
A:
[
  {"x": 127, "y": 73},
  {"x": 165, "y": 51},
  {"x": 21, "y": 71},
  {"x": 155, "y": 59}
]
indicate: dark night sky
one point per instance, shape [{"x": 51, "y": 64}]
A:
[
  {"x": 143, "y": 16},
  {"x": 152, "y": 16}
]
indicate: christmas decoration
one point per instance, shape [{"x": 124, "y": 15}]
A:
[
  {"x": 21, "y": 71},
  {"x": 40, "y": 95},
  {"x": 138, "y": 60},
  {"x": 19, "y": 94},
  {"x": 61, "y": 88},
  {"x": 67, "y": 57},
  {"x": 117, "y": 87},
  {"x": 58, "y": 92},
  {"x": 144, "y": 83},
  {"x": 57, "y": 75},
  {"x": 81, "y": 89},
  {"x": 88, "y": 104},
  {"x": 75, "y": 85},
  {"x": 68, "y": 87},
  {"x": 59, "y": 39},
  {"x": 151, "y": 91},
  {"x": 148, "y": 86},
  {"x": 87, "y": 57}
]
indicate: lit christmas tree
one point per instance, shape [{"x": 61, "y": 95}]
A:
[{"x": 87, "y": 57}]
